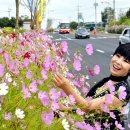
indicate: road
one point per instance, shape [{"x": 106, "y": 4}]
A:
[{"x": 103, "y": 44}]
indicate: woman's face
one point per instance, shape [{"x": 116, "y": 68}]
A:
[{"x": 119, "y": 66}]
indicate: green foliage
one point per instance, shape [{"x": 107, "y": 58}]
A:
[
  {"x": 128, "y": 13},
  {"x": 22, "y": 30},
  {"x": 107, "y": 15},
  {"x": 6, "y": 22},
  {"x": 73, "y": 25},
  {"x": 8, "y": 29}
]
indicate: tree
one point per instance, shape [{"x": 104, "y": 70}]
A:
[
  {"x": 37, "y": 9},
  {"x": 73, "y": 25},
  {"x": 4, "y": 22},
  {"x": 17, "y": 16},
  {"x": 107, "y": 15},
  {"x": 128, "y": 13}
]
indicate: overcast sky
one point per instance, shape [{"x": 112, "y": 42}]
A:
[{"x": 67, "y": 10}]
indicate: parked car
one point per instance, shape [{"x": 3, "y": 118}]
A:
[
  {"x": 82, "y": 33},
  {"x": 125, "y": 36}
]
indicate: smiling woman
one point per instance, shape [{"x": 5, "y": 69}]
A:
[{"x": 109, "y": 96}]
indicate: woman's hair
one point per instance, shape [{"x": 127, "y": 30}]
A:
[{"x": 124, "y": 50}]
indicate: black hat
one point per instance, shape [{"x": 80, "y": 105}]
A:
[{"x": 124, "y": 50}]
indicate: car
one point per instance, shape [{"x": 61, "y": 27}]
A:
[
  {"x": 125, "y": 36},
  {"x": 82, "y": 33}
]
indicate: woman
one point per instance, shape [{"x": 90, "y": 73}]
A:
[{"x": 119, "y": 69}]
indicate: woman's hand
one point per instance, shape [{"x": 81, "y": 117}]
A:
[{"x": 60, "y": 81}]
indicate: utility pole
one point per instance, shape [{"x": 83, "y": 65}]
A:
[
  {"x": 95, "y": 5},
  {"x": 78, "y": 12},
  {"x": 9, "y": 10},
  {"x": 114, "y": 12}
]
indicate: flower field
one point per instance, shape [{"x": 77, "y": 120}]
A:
[{"x": 28, "y": 98}]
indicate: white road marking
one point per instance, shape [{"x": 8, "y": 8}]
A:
[
  {"x": 60, "y": 39},
  {"x": 100, "y": 51}
]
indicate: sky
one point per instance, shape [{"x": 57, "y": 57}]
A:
[{"x": 67, "y": 10}]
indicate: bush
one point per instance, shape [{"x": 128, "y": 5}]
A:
[
  {"x": 50, "y": 30},
  {"x": 116, "y": 29}
]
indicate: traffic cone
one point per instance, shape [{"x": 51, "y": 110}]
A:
[{"x": 94, "y": 32}]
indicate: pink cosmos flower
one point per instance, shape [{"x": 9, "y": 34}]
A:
[
  {"x": 77, "y": 65},
  {"x": 106, "y": 125},
  {"x": 85, "y": 90},
  {"x": 119, "y": 126},
  {"x": 45, "y": 99},
  {"x": 53, "y": 66},
  {"x": 90, "y": 72},
  {"x": 112, "y": 115},
  {"x": 22, "y": 43},
  {"x": 26, "y": 62},
  {"x": 70, "y": 75},
  {"x": 26, "y": 93},
  {"x": 44, "y": 74},
  {"x": 28, "y": 74},
  {"x": 1, "y": 70},
  {"x": 84, "y": 126},
  {"x": 46, "y": 64},
  {"x": 17, "y": 53},
  {"x": 97, "y": 125},
  {"x": 64, "y": 46},
  {"x": 72, "y": 99},
  {"x": 77, "y": 83},
  {"x": 41, "y": 94},
  {"x": 97, "y": 69},
  {"x": 33, "y": 87},
  {"x": 128, "y": 125},
  {"x": 89, "y": 49},
  {"x": 111, "y": 87},
  {"x": 53, "y": 94},
  {"x": 105, "y": 108},
  {"x": 122, "y": 93},
  {"x": 7, "y": 116},
  {"x": 6, "y": 56},
  {"x": 79, "y": 112},
  {"x": 40, "y": 82},
  {"x": 47, "y": 117},
  {"x": 54, "y": 106},
  {"x": 108, "y": 99}
]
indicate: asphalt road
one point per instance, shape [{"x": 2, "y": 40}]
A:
[{"x": 104, "y": 46}]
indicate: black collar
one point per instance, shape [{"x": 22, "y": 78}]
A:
[{"x": 117, "y": 79}]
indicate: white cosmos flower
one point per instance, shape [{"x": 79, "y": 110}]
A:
[
  {"x": 3, "y": 89},
  {"x": 19, "y": 113},
  {"x": 65, "y": 124},
  {"x": 8, "y": 77},
  {"x": 14, "y": 83}
]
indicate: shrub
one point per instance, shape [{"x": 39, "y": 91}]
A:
[{"x": 116, "y": 29}]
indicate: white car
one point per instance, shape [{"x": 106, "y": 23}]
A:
[{"x": 125, "y": 36}]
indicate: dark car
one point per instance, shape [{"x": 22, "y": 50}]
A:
[
  {"x": 82, "y": 33},
  {"x": 125, "y": 36}
]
